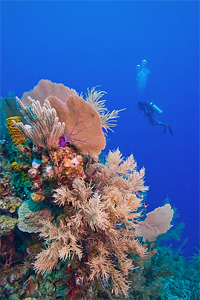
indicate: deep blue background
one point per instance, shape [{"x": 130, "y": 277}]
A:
[{"x": 83, "y": 44}]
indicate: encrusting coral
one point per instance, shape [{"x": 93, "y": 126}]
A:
[
  {"x": 87, "y": 213},
  {"x": 28, "y": 220},
  {"x": 7, "y": 224}
]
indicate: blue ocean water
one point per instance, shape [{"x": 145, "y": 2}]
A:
[{"x": 87, "y": 43}]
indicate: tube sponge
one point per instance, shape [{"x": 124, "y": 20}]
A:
[{"x": 16, "y": 135}]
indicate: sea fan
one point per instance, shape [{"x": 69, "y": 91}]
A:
[{"x": 83, "y": 126}]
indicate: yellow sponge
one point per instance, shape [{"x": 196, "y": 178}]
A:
[{"x": 15, "y": 133}]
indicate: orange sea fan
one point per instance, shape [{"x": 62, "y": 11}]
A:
[
  {"x": 46, "y": 88},
  {"x": 83, "y": 126}
]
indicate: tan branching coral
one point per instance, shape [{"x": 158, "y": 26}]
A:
[
  {"x": 90, "y": 227},
  {"x": 63, "y": 244},
  {"x": 64, "y": 196},
  {"x": 96, "y": 214},
  {"x": 44, "y": 129}
]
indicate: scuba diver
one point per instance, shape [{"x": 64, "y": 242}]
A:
[{"x": 149, "y": 108}]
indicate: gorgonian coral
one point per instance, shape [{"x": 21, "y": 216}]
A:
[
  {"x": 108, "y": 119},
  {"x": 156, "y": 223},
  {"x": 89, "y": 232},
  {"x": 44, "y": 129},
  {"x": 83, "y": 125},
  {"x": 87, "y": 212}
]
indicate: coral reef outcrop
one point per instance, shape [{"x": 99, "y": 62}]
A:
[{"x": 72, "y": 227}]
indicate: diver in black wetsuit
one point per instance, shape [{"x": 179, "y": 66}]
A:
[{"x": 149, "y": 108}]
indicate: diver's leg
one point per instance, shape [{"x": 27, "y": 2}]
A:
[
  {"x": 165, "y": 126},
  {"x": 170, "y": 130}
]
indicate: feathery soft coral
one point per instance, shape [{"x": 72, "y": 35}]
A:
[{"x": 93, "y": 209}]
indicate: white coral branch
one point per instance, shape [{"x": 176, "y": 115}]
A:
[
  {"x": 93, "y": 97},
  {"x": 44, "y": 129},
  {"x": 108, "y": 119}
]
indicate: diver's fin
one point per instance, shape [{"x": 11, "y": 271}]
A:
[{"x": 170, "y": 130}]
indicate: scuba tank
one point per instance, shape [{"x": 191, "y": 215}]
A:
[{"x": 155, "y": 108}]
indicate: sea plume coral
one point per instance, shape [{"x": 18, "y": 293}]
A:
[
  {"x": 44, "y": 129},
  {"x": 108, "y": 119}
]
